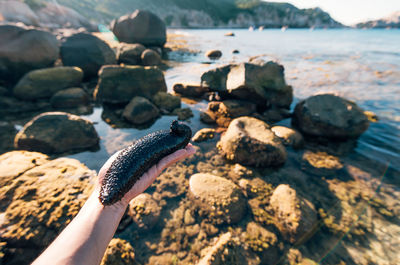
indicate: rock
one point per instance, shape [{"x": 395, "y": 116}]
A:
[
  {"x": 215, "y": 79},
  {"x": 4, "y": 91},
  {"x": 119, "y": 84},
  {"x": 330, "y": 116},
  {"x": 207, "y": 117},
  {"x": 295, "y": 217},
  {"x": 190, "y": 90},
  {"x": 140, "y": 111},
  {"x": 213, "y": 54},
  {"x": 217, "y": 197},
  {"x": 7, "y": 134},
  {"x": 87, "y": 52},
  {"x": 229, "y": 34},
  {"x": 235, "y": 51},
  {"x": 321, "y": 164},
  {"x": 249, "y": 141},
  {"x": 44, "y": 83},
  {"x": 130, "y": 53},
  {"x": 23, "y": 50},
  {"x": 141, "y": 27},
  {"x": 166, "y": 101},
  {"x": 183, "y": 113},
  {"x": 16, "y": 11},
  {"x": 223, "y": 112},
  {"x": 274, "y": 114},
  {"x": 13, "y": 107},
  {"x": 57, "y": 132},
  {"x": 204, "y": 134},
  {"x": 39, "y": 202},
  {"x": 118, "y": 252},
  {"x": 264, "y": 84},
  {"x": 70, "y": 98},
  {"x": 262, "y": 241},
  {"x": 150, "y": 58},
  {"x": 144, "y": 211},
  {"x": 290, "y": 137}
]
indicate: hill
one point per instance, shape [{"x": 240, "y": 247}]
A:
[{"x": 392, "y": 21}]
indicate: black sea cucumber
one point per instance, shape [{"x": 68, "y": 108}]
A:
[{"x": 137, "y": 158}]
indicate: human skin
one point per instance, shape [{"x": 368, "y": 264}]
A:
[{"x": 86, "y": 238}]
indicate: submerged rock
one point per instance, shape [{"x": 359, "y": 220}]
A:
[
  {"x": 118, "y": 252},
  {"x": 204, "y": 134},
  {"x": 166, "y": 101},
  {"x": 190, "y": 90},
  {"x": 70, "y": 98},
  {"x": 23, "y": 50},
  {"x": 262, "y": 241},
  {"x": 119, "y": 84},
  {"x": 218, "y": 198},
  {"x": 290, "y": 137},
  {"x": 44, "y": 83},
  {"x": 150, "y": 58},
  {"x": 144, "y": 211},
  {"x": 140, "y": 111},
  {"x": 57, "y": 132},
  {"x": 130, "y": 53},
  {"x": 141, "y": 27},
  {"x": 249, "y": 141},
  {"x": 330, "y": 116},
  {"x": 87, "y": 52},
  {"x": 295, "y": 217}
]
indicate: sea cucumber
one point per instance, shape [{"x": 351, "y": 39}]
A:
[{"x": 137, "y": 158}]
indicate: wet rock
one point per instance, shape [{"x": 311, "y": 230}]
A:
[
  {"x": 330, "y": 116},
  {"x": 223, "y": 112},
  {"x": 119, "y": 84},
  {"x": 7, "y": 134},
  {"x": 214, "y": 54},
  {"x": 42, "y": 200},
  {"x": 321, "y": 164},
  {"x": 130, "y": 53},
  {"x": 204, "y": 134},
  {"x": 216, "y": 78},
  {"x": 295, "y": 217},
  {"x": 70, "y": 98},
  {"x": 3, "y": 91},
  {"x": 166, "y": 101},
  {"x": 235, "y": 51},
  {"x": 57, "y": 132},
  {"x": 249, "y": 141},
  {"x": 290, "y": 137},
  {"x": 141, "y": 27},
  {"x": 262, "y": 241},
  {"x": 229, "y": 34},
  {"x": 273, "y": 115},
  {"x": 140, "y": 111},
  {"x": 15, "y": 11},
  {"x": 118, "y": 252},
  {"x": 23, "y": 50},
  {"x": 190, "y": 90},
  {"x": 87, "y": 52},
  {"x": 44, "y": 83},
  {"x": 144, "y": 211},
  {"x": 183, "y": 113},
  {"x": 207, "y": 117},
  {"x": 219, "y": 198},
  {"x": 150, "y": 58}
]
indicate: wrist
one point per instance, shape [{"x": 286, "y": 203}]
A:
[{"x": 118, "y": 208}]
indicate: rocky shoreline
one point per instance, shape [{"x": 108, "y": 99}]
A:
[{"x": 254, "y": 193}]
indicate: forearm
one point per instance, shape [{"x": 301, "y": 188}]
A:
[{"x": 86, "y": 238}]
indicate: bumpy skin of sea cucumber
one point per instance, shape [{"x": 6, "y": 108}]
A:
[{"x": 137, "y": 158}]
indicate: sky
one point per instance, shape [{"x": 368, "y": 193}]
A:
[{"x": 350, "y": 12}]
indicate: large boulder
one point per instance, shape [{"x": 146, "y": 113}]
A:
[
  {"x": 330, "y": 116},
  {"x": 87, "y": 52},
  {"x": 294, "y": 216},
  {"x": 140, "y": 111},
  {"x": 70, "y": 98},
  {"x": 57, "y": 132},
  {"x": 215, "y": 79},
  {"x": 23, "y": 50},
  {"x": 217, "y": 197},
  {"x": 249, "y": 141},
  {"x": 39, "y": 201},
  {"x": 119, "y": 84},
  {"x": 46, "y": 82},
  {"x": 130, "y": 53},
  {"x": 16, "y": 11},
  {"x": 140, "y": 27}
]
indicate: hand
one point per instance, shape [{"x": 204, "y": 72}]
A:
[{"x": 147, "y": 178}]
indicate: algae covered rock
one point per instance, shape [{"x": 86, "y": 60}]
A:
[
  {"x": 119, "y": 84},
  {"x": 294, "y": 216},
  {"x": 44, "y": 83},
  {"x": 263, "y": 242},
  {"x": 249, "y": 141},
  {"x": 144, "y": 211},
  {"x": 330, "y": 116},
  {"x": 70, "y": 98},
  {"x": 166, "y": 101},
  {"x": 118, "y": 252},
  {"x": 23, "y": 50},
  {"x": 57, "y": 132},
  {"x": 217, "y": 197},
  {"x": 204, "y": 134},
  {"x": 140, "y": 111},
  {"x": 87, "y": 52}
]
